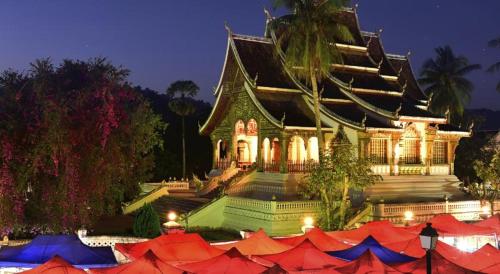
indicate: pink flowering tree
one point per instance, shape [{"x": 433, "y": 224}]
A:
[{"x": 75, "y": 141}]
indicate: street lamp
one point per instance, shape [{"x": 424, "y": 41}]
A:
[
  {"x": 172, "y": 227},
  {"x": 428, "y": 239}
]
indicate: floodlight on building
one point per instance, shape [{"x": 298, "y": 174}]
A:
[{"x": 485, "y": 211}]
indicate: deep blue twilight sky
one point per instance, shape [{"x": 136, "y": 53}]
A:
[{"x": 161, "y": 41}]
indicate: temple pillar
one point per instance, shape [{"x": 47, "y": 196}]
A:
[
  {"x": 394, "y": 157},
  {"x": 260, "y": 146},
  {"x": 215, "y": 156},
  {"x": 284, "y": 153},
  {"x": 452, "y": 145}
]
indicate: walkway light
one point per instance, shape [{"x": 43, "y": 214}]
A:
[
  {"x": 408, "y": 217},
  {"x": 428, "y": 239},
  {"x": 308, "y": 224},
  {"x": 172, "y": 216}
]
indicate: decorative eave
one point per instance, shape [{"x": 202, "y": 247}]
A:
[
  {"x": 278, "y": 90},
  {"x": 350, "y": 68},
  {"x": 238, "y": 59},
  {"x": 376, "y": 130},
  {"x": 376, "y": 91},
  {"x": 202, "y": 128},
  {"x": 351, "y": 49},
  {"x": 336, "y": 101},
  {"x": 422, "y": 119},
  {"x": 458, "y": 133},
  {"x": 262, "y": 110},
  {"x": 293, "y": 128},
  {"x": 390, "y": 78},
  {"x": 219, "y": 83}
]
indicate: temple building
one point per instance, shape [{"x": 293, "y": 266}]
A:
[
  {"x": 264, "y": 138},
  {"x": 263, "y": 115}
]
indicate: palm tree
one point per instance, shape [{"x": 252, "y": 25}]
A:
[
  {"x": 445, "y": 82},
  {"x": 495, "y": 43},
  {"x": 181, "y": 104},
  {"x": 308, "y": 36}
]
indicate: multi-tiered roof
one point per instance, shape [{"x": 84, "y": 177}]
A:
[{"x": 371, "y": 90}]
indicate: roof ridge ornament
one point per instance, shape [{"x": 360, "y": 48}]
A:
[
  {"x": 379, "y": 65},
  {"x": 430, "y": 99},
  {"x": 283, "y": 120},
  {"x": 363, "y": 121},
  {"x": 350, "y": 83},
  {"x": 400, "y": 70},
  {"x": 379, "y": 32},
  {"x": 471, "y": 126},
  {"x": 268, "y": 14},
  {"x": 228, "y": 29},
  {"x": 408, "y": 54},
  {"x": 399, "y": 109},
  {"x": 255, "y": 79},
  {"x": 404, "y": 87},
  {"x": 447, "y": 114},
  {"x": 369, "y": 41}
]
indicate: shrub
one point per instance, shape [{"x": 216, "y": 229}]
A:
[{"x": 147, "y": 223}]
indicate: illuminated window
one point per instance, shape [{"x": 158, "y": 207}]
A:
[
  {"x": 252, "y": 127},
  {"x": 440, "y": 153},
  {"x": 410, "y": 152},
  {"x": 378, "y": 151},
  {"x": 240, "y": 127}
]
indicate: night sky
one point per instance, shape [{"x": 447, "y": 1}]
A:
[{"x": 163, "y": 41}]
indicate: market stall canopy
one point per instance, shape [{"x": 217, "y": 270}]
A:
[
  {"x": 487, "y": 257},
  {"x": 491, "y": 222},
  {"x": 366, "y": 263},
  {"x": 440, "y": 265},
  {"x": 383, "y": 231},
  {"x": 149, "y": 263},
  {"x": 56, "y": 265},
  {"x": 386, "y": 255},
  {"x": 447, "y": 225},
  {"x": 188, "y": 247},
  {"x": 257, "y": 244},
  {"x": 232, "y": 261},
  {"x": 319, "y": 238},
  {"x": 69, "y": 247},
  {"x": 305, "y": 256}
]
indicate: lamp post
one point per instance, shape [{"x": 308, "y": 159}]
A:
[
  {"x": 172, "y": 227},
  {"x": 428, "y": 239}
]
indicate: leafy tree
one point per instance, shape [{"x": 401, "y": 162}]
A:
[
  {"x": 75, "y": 140},
  {"x": 331, "y": 180},
  {"x": 444, "y": 80},
  {"x": 168, "y": 159},
  {"x": 489, "y": 173},
  {"x": 147, "y": 223},
  {"x": 495, "y": 43},
  {"x": 308, "y": 36},
  {"x": 182, "y": 92}
]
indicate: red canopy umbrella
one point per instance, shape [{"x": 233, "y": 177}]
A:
[
  {"x": 447, "y": 225},
  {"x": 366, "y": 263},
  {"x": 56, "y": 265},
  {"x": 305, "y": 256},
  {"x": 491, "y": 222},
  {"x": 258, "y": 244},
  {"x": 440, "y": 265},
  {"x": 319, "y": 238},
  {"x": 232, "y": 261},
  {"x": 414, "y": 248},
  {"x": 149, "y": 263},
  {"x": 172, "y": 248},
  {"x": 484, "y": 258},
  {"x": 382, "y": 231}
]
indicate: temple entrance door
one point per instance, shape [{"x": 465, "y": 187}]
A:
[
  {"x": 276, "y": 151},
  {"x": 243, "y": 153}
]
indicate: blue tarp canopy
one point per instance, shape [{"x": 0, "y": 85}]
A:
[
  {"x": 384, "y": 254},
  {"x": 69, "y": 247}
]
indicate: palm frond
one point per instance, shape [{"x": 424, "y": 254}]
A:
[
  {"x": 468, "y": 68},
  {"x": 494, "y": 68},
  {"x": 495, "y": 43}
]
